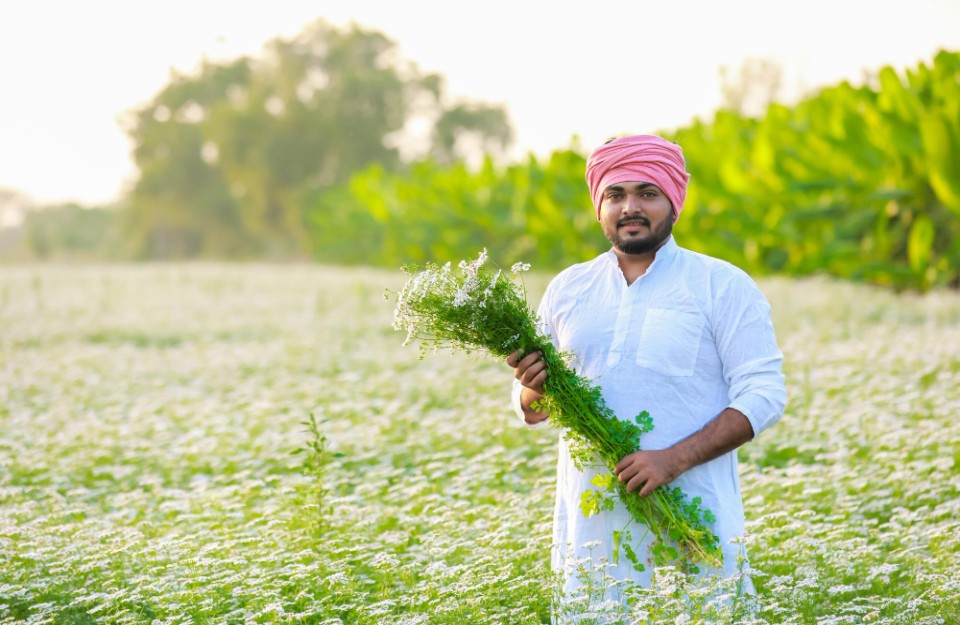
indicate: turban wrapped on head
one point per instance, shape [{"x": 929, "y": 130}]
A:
[{"x": 641, "y": 158}]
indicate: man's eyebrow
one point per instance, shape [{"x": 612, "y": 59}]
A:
[{"x": 639, "y": 187}]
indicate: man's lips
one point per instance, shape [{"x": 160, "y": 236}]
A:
[{"x": 633, "y": 222}]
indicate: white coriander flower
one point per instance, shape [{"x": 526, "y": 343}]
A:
[
  {"x": 461, "y": 297},
  {"x": 519, "y": 267},
  {"x": 471, "y": 269}
]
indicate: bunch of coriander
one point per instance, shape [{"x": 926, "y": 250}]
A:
[{"x": 470, "y": 308}]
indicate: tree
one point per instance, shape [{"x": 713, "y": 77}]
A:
[
  {"x": 70, "y": 232},
  {"x": 182, "y": 204},
  {"x": 469, "y": 130},
  {"x": 227, "y": 155}
]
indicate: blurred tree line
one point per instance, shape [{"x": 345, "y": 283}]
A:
[
  {"x": 227, "y": 156},
  {"x": 857, "y": 182},
  {"x": 331, "y": 147}
]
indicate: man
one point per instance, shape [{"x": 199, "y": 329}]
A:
[{"x": 686, "y": 337}]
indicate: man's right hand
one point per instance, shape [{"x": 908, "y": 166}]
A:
[{"x": 531, "y": 371}]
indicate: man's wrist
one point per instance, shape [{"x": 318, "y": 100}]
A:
[{"x": 685, "y": 455}]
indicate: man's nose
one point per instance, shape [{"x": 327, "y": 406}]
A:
[{"x": 633, "y": 204}]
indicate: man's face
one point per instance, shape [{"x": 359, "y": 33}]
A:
[{"x": 636, "y": 216}]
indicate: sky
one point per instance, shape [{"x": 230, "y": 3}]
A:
[{"x": 70, "y": 70}]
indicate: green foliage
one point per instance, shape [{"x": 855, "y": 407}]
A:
[
  {"x": 296, "y": 154},
  {"x": 70, "y": 232},
  {"x": 316, "y": 466},
  {"x": 487, "y": 126},
  {"x": 226, "y": 155},
  {"x": 857, "y": 182},
  {"x": 532, "y": 211},
  {"x": 593, "y": 501}
]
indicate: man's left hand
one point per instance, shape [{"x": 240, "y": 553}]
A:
[{"x": 646, "y": 470}]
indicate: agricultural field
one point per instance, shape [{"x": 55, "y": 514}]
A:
[{"x": 151, "y": 417}]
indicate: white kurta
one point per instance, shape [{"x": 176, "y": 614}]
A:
[{"x": 686, "y": 340}]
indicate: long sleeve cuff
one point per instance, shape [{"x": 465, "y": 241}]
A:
[{"x": 762, "y": 397}]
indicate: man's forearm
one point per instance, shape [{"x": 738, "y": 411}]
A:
[
  {"x": 727, "y": 431},
  {"x": 645, "y": 471}
]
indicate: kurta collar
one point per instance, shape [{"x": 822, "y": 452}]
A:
[{"x": 666, "y": 253}]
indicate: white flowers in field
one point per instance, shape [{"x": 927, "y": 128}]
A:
[{"x": 148, "y": 476}]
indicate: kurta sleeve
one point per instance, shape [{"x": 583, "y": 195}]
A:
[{"x": 747, "y": 345}]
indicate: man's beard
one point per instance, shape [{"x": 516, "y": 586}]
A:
[{"x": 644, "y": 244}]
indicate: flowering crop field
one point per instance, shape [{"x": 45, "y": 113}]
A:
[{"x": 150, "y": 415}]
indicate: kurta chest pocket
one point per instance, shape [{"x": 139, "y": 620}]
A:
[{"x": 670, "y": 341}]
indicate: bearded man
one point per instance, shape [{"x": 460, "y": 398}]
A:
[{"x": 684, "y": 336}]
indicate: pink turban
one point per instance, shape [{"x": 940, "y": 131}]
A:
[{"x": 642, "y": 158}]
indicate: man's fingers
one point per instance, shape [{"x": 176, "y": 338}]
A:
[
  {"x": 537, "y": 382},
  {"x": 535, "y": 367},
  {"x": 643, "y": 483},
  {"x": 627, "y": 461},
  {"x": 641, "y": 472},
  {"x": 648, "y": 488},
  {"x": 529, "y": 360},
  {"x": 529, "y": 375},
  {"x": 518, "y": 360},
  {"x": 625, "y": 471}
]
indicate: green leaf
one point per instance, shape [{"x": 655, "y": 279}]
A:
[
  {"x": 605, "y": 481},
  {"x": 646, "y": 424},
  {"x": 590, "y": 502},
  {"x": 631, "y": 555},
  {"x": 940, "y": 143},
  {"x": 617, "y": 535},
  {"x": 920, "y": 243}
]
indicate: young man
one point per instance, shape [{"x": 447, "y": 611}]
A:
[{"x": 686, "y": 337}]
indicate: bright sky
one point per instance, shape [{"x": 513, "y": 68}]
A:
[{"x": 68, "y": 70}]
